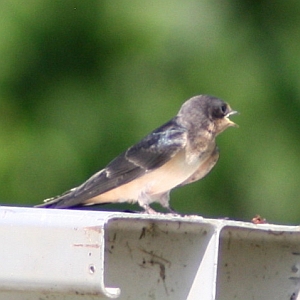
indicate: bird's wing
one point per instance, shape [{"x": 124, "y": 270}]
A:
[{"x": 150, "y": 153}]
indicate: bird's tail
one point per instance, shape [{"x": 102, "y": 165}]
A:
[{"x": 62, "y": 201}]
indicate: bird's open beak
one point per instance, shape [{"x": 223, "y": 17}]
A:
[{"x": 230, "y": 123}]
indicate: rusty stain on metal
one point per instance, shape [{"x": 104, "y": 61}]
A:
[
  {"x": 98, "y": 229},
  {"x": 96, "y": 246}
]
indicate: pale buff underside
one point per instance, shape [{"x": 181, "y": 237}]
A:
[{"x": 148, "y": 188}]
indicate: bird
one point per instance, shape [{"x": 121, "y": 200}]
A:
[{"x": 181, "y": 151}]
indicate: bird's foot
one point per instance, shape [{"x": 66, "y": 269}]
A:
[
  {"x": 171, "y": 211},
  {"x": 149, "y": 210}
]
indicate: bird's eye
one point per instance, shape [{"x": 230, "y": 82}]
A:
[
  {"x": 224, "y": 108},
  {"x": 220, "y": 110}
]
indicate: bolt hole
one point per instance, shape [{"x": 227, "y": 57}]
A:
[{"x": 92, "y": 269}]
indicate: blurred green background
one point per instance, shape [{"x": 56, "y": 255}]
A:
[{"x": 80, "y": 81}]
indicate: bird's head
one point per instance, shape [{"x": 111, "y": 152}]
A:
[
  {"x": 219, "y": 112},
  {"x": 207, "y": 112}
]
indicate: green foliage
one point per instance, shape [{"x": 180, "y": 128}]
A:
[{"x": 80, "y": 81}]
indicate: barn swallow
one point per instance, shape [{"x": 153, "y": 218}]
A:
[{"x": 179, "y": 152}]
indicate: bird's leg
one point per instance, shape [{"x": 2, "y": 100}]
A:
[
  {"x": 144, "y": 200},
  {"x": 164, "y": 202}
]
